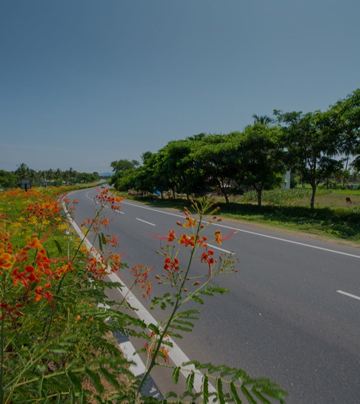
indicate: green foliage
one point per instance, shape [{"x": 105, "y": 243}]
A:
[
  {"x": 44, "y": 355},
  {"x": 262, "y": 158},
  {"x": 311, "y": 146},
  {"x": 8, "y": 179},
  {"x": 308, "y": 143}
]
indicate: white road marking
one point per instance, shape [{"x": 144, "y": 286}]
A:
[
  {"x": 140, "y": 220},
  {"x": 257, "y": 234},
  {"x": 155, "y": 210},
  {"x": 128, "y": 350},
  {"x": 92, "y": 199},
  {"x": 175, "y": 353},
  {"x": 221, "y": 249},
  {"x": 348, "y": 294}
]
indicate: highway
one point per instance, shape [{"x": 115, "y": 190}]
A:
[{"x": 293, "y": 314}]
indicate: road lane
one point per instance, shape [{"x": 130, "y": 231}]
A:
[{"x": 284, "y": 318}]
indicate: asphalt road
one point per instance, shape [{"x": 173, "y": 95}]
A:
[{"x": 292, "y": 314}]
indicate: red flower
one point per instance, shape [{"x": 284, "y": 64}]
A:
[{"x": 171, "y": 265}]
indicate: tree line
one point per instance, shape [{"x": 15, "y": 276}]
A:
[
  {"x": 11, "y": 179},
  {"x": 316, "y": 145}
]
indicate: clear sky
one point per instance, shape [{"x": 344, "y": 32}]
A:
[{"x": 87, "y": 82}]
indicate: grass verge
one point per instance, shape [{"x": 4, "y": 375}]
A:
[{"x": 333, "y": 218}]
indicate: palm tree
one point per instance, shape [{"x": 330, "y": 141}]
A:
[
  {"x": 23, "y": 171},
  {"x": 262, "y": 119}
]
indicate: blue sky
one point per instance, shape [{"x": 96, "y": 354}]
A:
[{"x": 86, "y": 82}]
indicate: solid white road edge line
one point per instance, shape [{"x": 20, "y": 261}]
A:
[
  {"x": 348, "y": 294},
  {"x": 144, "y": 221},
  {"x": 175, "y": 354},
  {"x": 254, "y": 233},
  {"x": 128, "y": 350}
]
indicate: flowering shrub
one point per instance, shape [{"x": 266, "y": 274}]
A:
[{"x": 50, "y": 291}]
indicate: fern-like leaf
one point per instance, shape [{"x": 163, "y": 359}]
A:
[
  {"x": 261, "y": 397},
  {"x": 188, "y": 314},
  {"x": 170, "y": 394},
  {"x": 175, "y": 335},
  {"x": 183, "y": 322},
  {"x": 180, "y": 327},
  {"x": 109, "y": 377},
  {"x": 234, "y": 394},
  {"x": 205, "y": 389},
  {"x": 190, "y": 381},
  {"x": 219, "y": 389},
  {"x": 95, "y": 380},
  {"x": 247, "y": 394},
  {"x": 75, "y": 381},
  {"x": 154, "y": 328},
  {"x": 100, "y": 243},
  {"x": 175, "y": 375}
]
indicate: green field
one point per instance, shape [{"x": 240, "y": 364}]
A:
[{"x": 333, "y": 217}]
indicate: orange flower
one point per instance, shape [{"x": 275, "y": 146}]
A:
[
  {"x": 34, "y": 243},
  {"x": 190, "y": 222},
  {"x": 141, "y": 273},
  {"x": 205, "y": 257},
  {"x": 201, "y": 241},
  {"x": 218, "y": 236},
  {"x": 6, "y": 260},
  {"x": 165, "y": 352},
  {"x": 172, "y": 236},
  {"x": 171, "y": 265},
  {"x": 186, "y": 240}
]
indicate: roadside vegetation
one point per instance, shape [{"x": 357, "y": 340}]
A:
[
  {"x": 318, "y": 147},
  {"x": 333, "y": 218},
  {"x": 55, "y": 332},
  {"x": 50, "y": 177},
  {"x": 245, "y": 171}
]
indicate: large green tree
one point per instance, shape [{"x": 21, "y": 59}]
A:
[
  {"x": 122, "y": 168},
  {"x": 8, "y": 179},
  {"x": 262, "y": 158},
  {"x": 344, "y": 119},
  {"x": 218, "y": 156},
  {"x": 311, "y": 146},
  {"x": 123, "y": 165}
]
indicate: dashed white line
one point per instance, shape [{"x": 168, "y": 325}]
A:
[
  {"x": 348, "y": 294},
  {"x": 144, "y": 221},
  {"x": 221, "y": 249}
]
